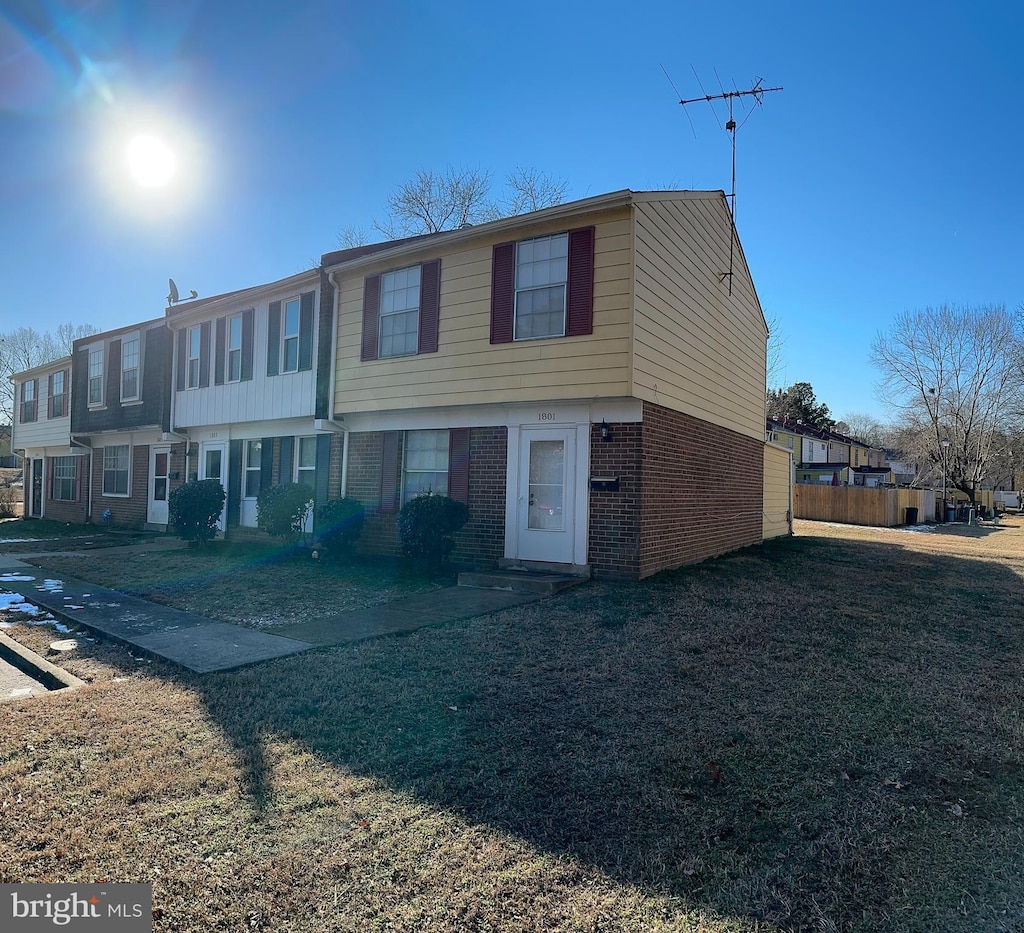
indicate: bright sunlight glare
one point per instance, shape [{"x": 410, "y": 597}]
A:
[{"x": 150, "y": 161}]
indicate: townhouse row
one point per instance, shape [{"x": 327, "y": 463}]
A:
[
  {"x": 587, "y": 378},
  {"x": 822, "y": 456}
]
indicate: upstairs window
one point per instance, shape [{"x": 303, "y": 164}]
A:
[
  {"x": 29, "y": 408},
  {"x": 192, "y": 361},
  {"x": 290, "y": 337},
  {"x": 400, "y": 312},
  {"x": 542, "y": 266},
  {"x": 233, "y": 363},
  {"x": 130, "y": 369},
  {"x": 96, "y": 375},
  {"x": 58, "y": 395},
  {"x": 290, "y": 327}
]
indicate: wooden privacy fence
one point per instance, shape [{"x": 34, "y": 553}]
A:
[{"x": 856, "y": 505}]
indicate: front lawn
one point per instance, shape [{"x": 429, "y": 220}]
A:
[
  {"x": 822, "y": 734},
  {"x": 41, "y": 534}
]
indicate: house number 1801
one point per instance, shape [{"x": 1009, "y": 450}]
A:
[{"x": 545, "y": 416}]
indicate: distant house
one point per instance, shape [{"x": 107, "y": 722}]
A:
[{"x": 828, "y": 457}]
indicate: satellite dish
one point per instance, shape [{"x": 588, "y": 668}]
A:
[{"x": 172, "y": 298}]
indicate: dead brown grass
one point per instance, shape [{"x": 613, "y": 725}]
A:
[{"x": 821, "y": 734}]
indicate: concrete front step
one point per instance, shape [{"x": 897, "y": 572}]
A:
[{"x": 519, "y": 581}]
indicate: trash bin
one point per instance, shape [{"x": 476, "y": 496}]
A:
[
  {"x": 911, "y": 515},
  {"x": 950, "y": 514}
]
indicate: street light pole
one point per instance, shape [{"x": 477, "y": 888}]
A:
[{"x": 945, "y": 451}]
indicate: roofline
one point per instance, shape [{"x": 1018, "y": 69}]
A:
[
  {"x": 113, "y": 332},
  {"x": 58, "y": 363},
  {"x": 183, "y": 308}
]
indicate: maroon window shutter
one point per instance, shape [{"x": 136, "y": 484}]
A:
[
  {"x": 371, "y": 317},
  {"x": 503, "y": 291},
  {"x": 430, "y": 305},
  {"x": 389, "y": 473},
  {"x": 579, "y": 318},
  {"x": 49, "y": 397},
  {"x": 458, "y": 464}
]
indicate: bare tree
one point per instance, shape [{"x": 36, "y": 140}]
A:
[
  {"x": 864, "y": 427},
  {"x": 530, "y": 189},
  {"x": 951, "y": 373},
  {"x": 434, "y": 201},
  {"x": 774, "y": 362},
  {"x": 26, "y": 348},
  {"x": 353, "y": 235}
]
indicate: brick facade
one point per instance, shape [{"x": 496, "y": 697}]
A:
[
  {"x": 702, "y": 490},
  {"x": 613, "y": 540},
  {"x": 75, "y": 511},
  {"x": 131, "y": 511}
]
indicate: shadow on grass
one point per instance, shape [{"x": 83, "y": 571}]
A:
[{"x": 817, "y": 733}]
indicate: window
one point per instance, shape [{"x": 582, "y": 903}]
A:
[
  {"x": 426, "y": 464},
  {"x": 115, "y": 470},
  {"x": 96, "y": 375},
  {"x": 400, "y": 312},
  {"x": 58, "y": 395},
  {"x": 233, "y": 363},
  {"x": 64, "y": 479},
  {"x": 305, "y": 463},
  {"x": 253, "y": 454},
  {"x": 130, "y": 369},
  {"x": 290, "y": 337},
  {"x": 28, "y": 401},
  {"x": 192, "y": 361},
  {"x": 541, "y": 274}
]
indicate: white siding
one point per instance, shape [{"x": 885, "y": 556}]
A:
[{"x": 43, "y": 432}]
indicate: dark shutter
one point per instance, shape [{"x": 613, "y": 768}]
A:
[
  {"x": 266, "y": 464},
  {"x": 180, "y": 363},
  {"x": 323, "y": 467},
  {"x": 49, "y": 397},
  {"x": 503, "y": 291},
  {"x": 113, "y": 361},
  {"x": 247, "y": 342},
  {"x": 219, "y": 350},
  {"x": 234, "y": 489},
  {"x": 458, "y": 464},
  {"x": 430, "y": 304},
  {"x": 579, "y": 302},
  {"x": 389, "y": 473},
  {"x": 274, "y": 339},
  {"x": 204, "y": 354},
  {"x": 371, "y": 317},
  {"x": 49, "y": 478},
  {"x": 306, "y": 331},
  {"x": 287, "y": 446}
]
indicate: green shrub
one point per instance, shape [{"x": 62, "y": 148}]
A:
[
  {"x": 339, "y": 523},
  {"x": 281, "y": 510},
  {"x": 7, "y": 501},
  {"x": 194, "y": 509},
  {"x": 427, "y": 524}
]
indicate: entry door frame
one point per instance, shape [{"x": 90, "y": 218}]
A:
[
  {"x": 222, "y": 446},
  {"x": 156, "y": 509},
  {"x": 517, "y": 488}
]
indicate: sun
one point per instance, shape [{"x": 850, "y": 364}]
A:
[{"x": 151, "y": 162}]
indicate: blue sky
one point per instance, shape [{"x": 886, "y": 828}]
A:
[{"x": 886, "y": 175}]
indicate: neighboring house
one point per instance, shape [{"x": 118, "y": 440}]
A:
[
  {"x": 588, "y": 378},
  {"x": 121, "y": 411},
  {"x": 828, "y": 457},
  {"x": 8, "y": 458},
  {"x": 251, "y": 387},
  {"x": 56, "y": 471}
]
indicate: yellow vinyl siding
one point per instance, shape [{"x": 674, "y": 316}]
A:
[
  {"x": 467, "y": 369},
  {"x": 696, "y": 349},
  {"x": 777, "y": 485}
]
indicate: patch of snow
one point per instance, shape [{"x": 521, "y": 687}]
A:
[
  {"x": 22, "y": 692},
  {"x": 19, "y": 540},
  {"x": 61, "y": 627},
  {"x": 15, "y": 602},
  {"x": 74, "y": 607},
  {"x": 15, "y": 578}
]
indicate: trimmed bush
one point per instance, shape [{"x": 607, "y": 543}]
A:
[
  {"x": 194, "y": 509},
  {"x": 339, "y": 523},
  {"x": 427, "y": 524},
  {"x": 281, "y": 510}
]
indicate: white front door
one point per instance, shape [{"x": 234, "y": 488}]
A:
[
  {"x": 546, "y": 526},
  {"x": 213, "y": 464},
  {"x": 159, "y": 474}
]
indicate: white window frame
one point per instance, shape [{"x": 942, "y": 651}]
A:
[
  {"x": 28, "y": 400},
  {"x": 305, "y": 474},
  {"x": 62, "y": 395},
  {"x": 290, "y": 337},
  {"x": 526, "y": 267},
  {"x": 62, "y": 464},
  {"x": 248, "y": 467},
  {"x": 232, "y": 352},
  {"x": 137, "y": 366},
  {"x": 192, "y": 373},
  {"x": 97, "y": 362},
  {"x": 396, "y": 304},
  {"x": 115, "y": 470},
  {"x": 410, "y": 490}
]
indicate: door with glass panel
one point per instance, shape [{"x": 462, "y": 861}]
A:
[
  {"x": 547, "y": 495},
  {"x": 159, "y": 475},
  {"x": 213, "y": 464},
  {"x": 305, "y": 472}
]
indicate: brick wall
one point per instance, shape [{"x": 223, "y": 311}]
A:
[
  {"x": 131, "y": 512},
  {"x": 365, "y": 458},
  {"x": 701, "y": 492},
  {"x": 63, "y": 510},
  {"x": 613, "y": 545}
]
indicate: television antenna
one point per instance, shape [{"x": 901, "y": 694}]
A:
[{"x": 730, "y": 97}]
